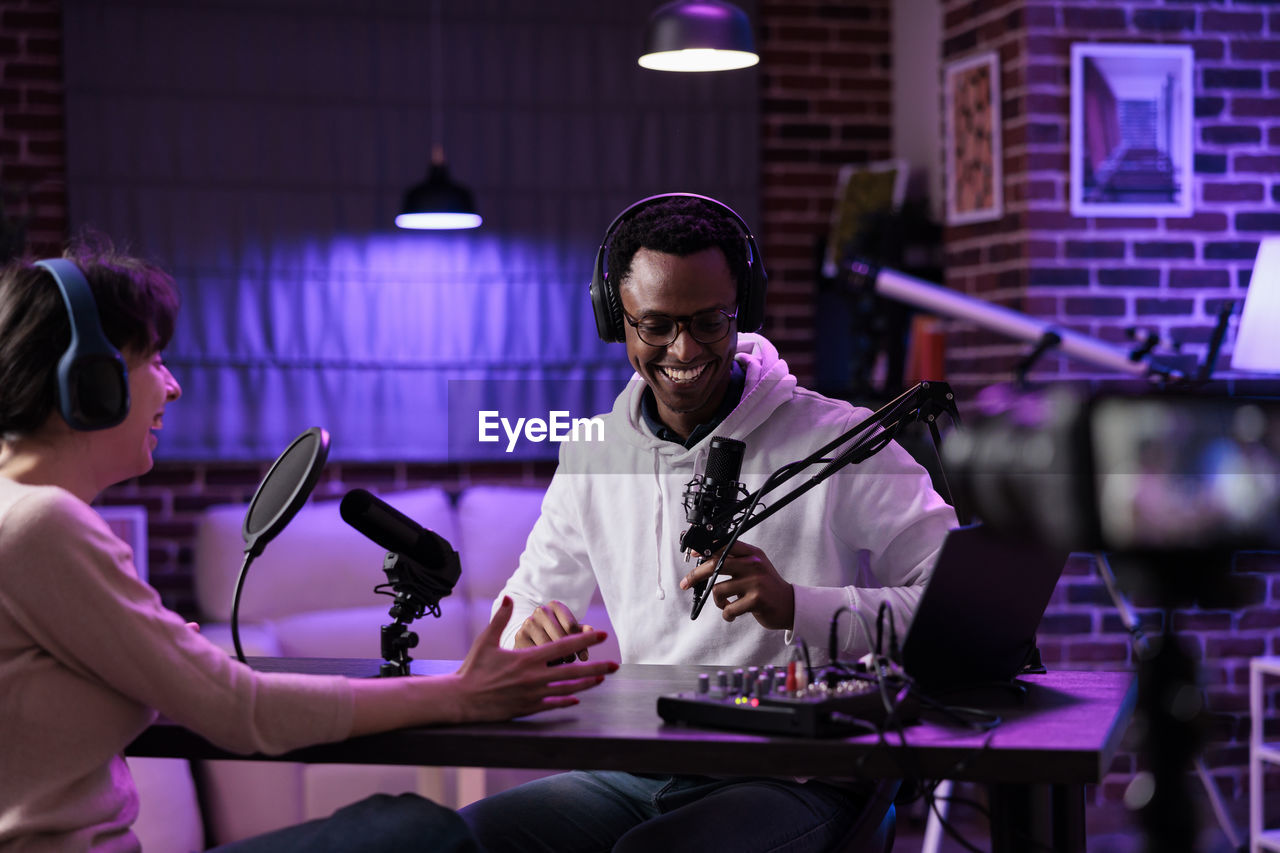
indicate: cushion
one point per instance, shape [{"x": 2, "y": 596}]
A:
[
  {"x": 356, "y": 632},
  {"x": 318, "y": 562},
  {"x": 493, "y": 525},
  {"x": 169, "y": 818}
]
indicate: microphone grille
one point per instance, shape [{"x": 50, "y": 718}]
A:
[
  {"x": 724, "y": 462},
  {"x": 353, "y": 506}
]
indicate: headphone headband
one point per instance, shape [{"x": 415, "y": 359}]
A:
[{"x": 606, "y": 303}]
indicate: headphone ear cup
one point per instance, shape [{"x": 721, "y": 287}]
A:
[
  {"x": 604, "y": 303},
  {"x": 751, "y": 309},
  {"x": 93, "y": 390},
  {"x": 93, "y": 382}
]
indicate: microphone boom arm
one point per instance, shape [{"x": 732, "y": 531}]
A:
[{"x": 923, "y": 402}]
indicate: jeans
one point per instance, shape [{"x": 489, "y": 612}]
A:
[
  {"x": 596, "y": 811},
  {"x": 379, "y": 824}
]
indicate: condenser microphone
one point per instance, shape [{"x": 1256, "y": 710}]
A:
[
  {"x": 396, "y": 532},
  {"x": 711, "y": 501}
]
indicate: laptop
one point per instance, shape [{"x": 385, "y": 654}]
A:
[{"x": 976, "y": 621}]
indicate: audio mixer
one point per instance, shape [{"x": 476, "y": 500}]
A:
[{"x": 769, "y": 700}]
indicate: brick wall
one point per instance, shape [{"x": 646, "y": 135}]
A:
[
  {"x": 174, "y": 494},
  {"x": 1101, "y": 276},
  {"x": 826, "y": 100},
  {"x": 32, "y": 159}
]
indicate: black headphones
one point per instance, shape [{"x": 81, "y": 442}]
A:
[
  {"x": 607, "y": 304},
  {"x": 93, "y": 384}
]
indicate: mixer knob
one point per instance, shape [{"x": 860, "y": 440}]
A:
[
  {"x": 722, "y": 680},
  {"x": 704, "y": 684}
]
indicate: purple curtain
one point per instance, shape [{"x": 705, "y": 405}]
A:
[{"x": 260, "y": 150}]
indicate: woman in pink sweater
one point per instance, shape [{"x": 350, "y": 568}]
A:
[{"x": 89, "y": 655}]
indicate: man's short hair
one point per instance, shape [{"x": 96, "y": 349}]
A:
[{"x": 679, "y": 226}]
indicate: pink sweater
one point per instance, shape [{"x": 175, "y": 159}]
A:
[{"x": 88, "y": 655}]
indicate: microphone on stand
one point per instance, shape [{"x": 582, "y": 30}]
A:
[
  {"x": 710, "y": 504},
  {"x": 420, "y": 566},
  {"x": 395, "y": 531}
]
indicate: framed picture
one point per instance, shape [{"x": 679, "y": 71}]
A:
[
  {"x": 130, "y": 524},
  {"x": 1131, "y": 117},
  {"x": 862, "y": 191},
  {"x": 972, "y": 118}
]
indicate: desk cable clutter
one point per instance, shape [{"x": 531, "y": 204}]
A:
[
  {"x": 718, "y": 521},
  {"x": 842, "y": 698}
]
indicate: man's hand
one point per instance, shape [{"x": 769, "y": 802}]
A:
[
  {"x": 748, "y": 583},
  {"x": 549, "y": 623},
  {"x": 498, "y": 684}
]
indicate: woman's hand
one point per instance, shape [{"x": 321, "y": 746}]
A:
[
  {"x": 492, "y": 684},
  {"x": 498, "y": 684}
]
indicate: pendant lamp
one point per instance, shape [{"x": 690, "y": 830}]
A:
[
  {"x": 699, "y": 35},
  {"x": 1257, "y": 343},
  {"x": 438, "y": 202}
]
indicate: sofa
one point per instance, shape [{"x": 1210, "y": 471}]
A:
[{"x": 310, "y": 594}]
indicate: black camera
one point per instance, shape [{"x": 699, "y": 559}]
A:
[
  {"x": 1155, "y": 473},
  {"x": 1169, "y": 486}
]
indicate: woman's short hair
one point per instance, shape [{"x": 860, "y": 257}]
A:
[{"x": 137, "y": 307}]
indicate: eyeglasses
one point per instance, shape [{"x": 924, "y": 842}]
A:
[{"x": 661, "y": 330}]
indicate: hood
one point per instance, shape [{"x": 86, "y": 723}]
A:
[{"x": 769, "y": 384}]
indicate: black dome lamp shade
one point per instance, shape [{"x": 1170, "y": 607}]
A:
[
  {"x": 699, "y": 35},
  {"x": 438, "y": 202}
]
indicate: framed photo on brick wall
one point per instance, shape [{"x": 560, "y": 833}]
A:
[
  {"x": 130, "y": 524},
  {"x": 972, "y": 118},
  {"x": 1131, "y": 124}
]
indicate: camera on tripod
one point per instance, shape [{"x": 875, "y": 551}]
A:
[
  {"x": 1167, "y": 486},
  {"x": 1169, "y": 483}
]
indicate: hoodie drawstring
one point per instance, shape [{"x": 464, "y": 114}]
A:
[{"x": 658, "y": 526}]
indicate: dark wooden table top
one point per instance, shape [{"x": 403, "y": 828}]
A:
[{"x": 1064, "y": 730}]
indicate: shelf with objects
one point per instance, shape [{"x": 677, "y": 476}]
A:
[
  {"x": 1077, "y": 467},
  {"x": 1263, "y": 834}
]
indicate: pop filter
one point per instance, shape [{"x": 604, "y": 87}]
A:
[{"x": 280, "y": 495}]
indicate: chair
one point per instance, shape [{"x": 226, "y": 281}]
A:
[{"x": 874, "y": 829}]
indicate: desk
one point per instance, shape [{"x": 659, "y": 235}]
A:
[{"x": 1036, "y": 762}]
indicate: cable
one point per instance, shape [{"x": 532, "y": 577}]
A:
[
  {"x": 235, "y": 606},
  {"x": 808, "y": 664},
  {"x": 889, "y": 419},
  {"x": 893, "y": 633},
  {"x": 833, "y": 648},
  {"x": 949, "y": 829}
]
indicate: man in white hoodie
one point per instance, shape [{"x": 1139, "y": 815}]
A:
[{"x": 680, "y": 280}]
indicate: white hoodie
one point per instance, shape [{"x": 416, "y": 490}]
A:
[{"x": 614, "y": 512}]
